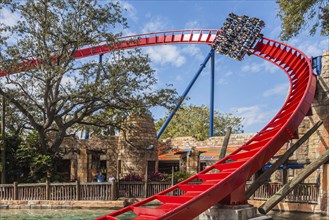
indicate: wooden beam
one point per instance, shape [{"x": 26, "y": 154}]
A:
[
  {"x": 286, "y": 189},
  {"x": 225, "y": 143},
  {"x": 264, "y": 177}
]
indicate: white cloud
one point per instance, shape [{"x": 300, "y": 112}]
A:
[
  {"x": 68, "y": 81},
  {"x": 280, "y": 89},
  {"x": 275, "y": 33},
  {"x": 223, "y": 78},
  {"x": 128, "y": 32},
  {"x": 250, "y": 67},
  {"x": 324, "y": 44},
  {"x": 11, "y": 86},
  {"x": 253, "y": 115},
  {"x": 166, "y": 54},
  {"x": 156, "y": 24},
  {"x": 222, "y": 81},
  {"x": 294, "y": 42},
  {"x": 310, "y": 48},
  {"x": 130, "y": 9},
  {"x": 192, "y": 25},
  {"x": 194, "y": 51},
  {"x": 229, "y": 73},
  {"x": 256, "y": 67},
  {"x": 9, "y": 18},
  {"x": 270, "y": 67},
  {"x": 179, "y": 78}
]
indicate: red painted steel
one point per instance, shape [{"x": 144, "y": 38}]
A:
[
  {"x": 232, "y": 171},
  {"x": 149, "y": 39},
  {"x": 228, "y": 174}
]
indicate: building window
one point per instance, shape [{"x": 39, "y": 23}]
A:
[
  {"x": 203, "y": 165},
  {"x": 119, "y": 167},
  {"x": 151, "y": 166}
]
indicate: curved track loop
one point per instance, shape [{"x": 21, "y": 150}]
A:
[
  {"x": 227, "y": 175},
  {"x": 149, "y": 39}
]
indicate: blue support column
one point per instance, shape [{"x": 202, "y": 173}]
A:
[
  {"x": 212, "y": 96},
  {"x": 101, "y": 64},
  {"x": 183, "y": 96},
  {"x": 317, "y": 64}
]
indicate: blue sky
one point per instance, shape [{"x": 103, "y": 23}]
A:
[{"x": 252, "y": 89}]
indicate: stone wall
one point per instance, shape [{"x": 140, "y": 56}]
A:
[
  {"x": 137, "y": 145},
  {"x": 190, "y": 161},
  {"x": 319, "y": 142},
  {"x": 85, "y": 156},
  {"x": 186, "y": 142},
  {"x": 107, "y": 148}
]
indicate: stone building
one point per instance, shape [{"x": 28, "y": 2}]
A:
[
  {"x": 190, "y": 155},
  {"x": 132, "y": 151},
  {"x": 319, "y": 141},
  {"x": 137, "y": 147}
]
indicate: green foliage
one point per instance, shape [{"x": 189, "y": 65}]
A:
[
  {"x": 62, "y": 93},
  {"x": 180, "y": 176},
  {"x": 12, "y": 143},
  {"x": 25, "y": 162},
  {"x": 194, "y": 121},
  {"x": 299, "y": 14}
]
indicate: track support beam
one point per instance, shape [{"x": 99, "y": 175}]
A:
[
  {"x": 289, "y": 187},
  {"x": 183, "y": 96},
  {"x": 212, "y": 95},
  {"x": 264, "y": 177},
  {"x": 225, "y": 143}
]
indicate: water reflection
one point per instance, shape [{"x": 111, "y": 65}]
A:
[
  {"x": 64, "y": 214},
  {"x": 87, "y": 214},
  {"x": 296, "y": 216}
]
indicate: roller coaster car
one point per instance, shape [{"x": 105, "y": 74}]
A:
[{"x": 239, "y": 34}]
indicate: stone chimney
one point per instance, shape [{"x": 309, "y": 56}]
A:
[{"x": 137, "y": 146}]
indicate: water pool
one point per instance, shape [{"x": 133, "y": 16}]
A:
[
  {"x": 64, "y": 214},
  {"x": 84, "y": 214}
]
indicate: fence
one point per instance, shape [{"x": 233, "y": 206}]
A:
[
  {"x": 58, "y": 191},
  {"x": 303, "y": 193}
]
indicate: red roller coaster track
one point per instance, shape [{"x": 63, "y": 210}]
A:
[{"x": 230, "y": 173}]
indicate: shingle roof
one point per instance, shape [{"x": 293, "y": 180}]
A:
[{"x": 207, "y": 153}]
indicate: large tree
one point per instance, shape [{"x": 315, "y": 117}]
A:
[
  {"x": 299, "y": 14},
  {"x": 61, "y": 92},
  {"x": 194, "y": 121}
]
